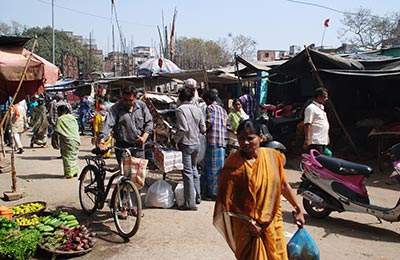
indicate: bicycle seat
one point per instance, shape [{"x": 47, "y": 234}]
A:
[{"x": 97, "y": 151}]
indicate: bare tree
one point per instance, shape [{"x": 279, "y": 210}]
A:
[
  {"x": 244, "y": 46},
  {"x": 195, "y": 53},
  {"x": 365, "y": 30},
  {"x": 15, "y": 29}
]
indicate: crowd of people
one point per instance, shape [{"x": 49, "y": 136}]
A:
[{"x": 246, "y": 184}]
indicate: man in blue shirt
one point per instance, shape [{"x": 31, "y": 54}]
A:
[{"x": 84, "y": 112}]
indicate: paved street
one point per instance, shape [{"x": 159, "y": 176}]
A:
[{"x": 173, "y": 234}]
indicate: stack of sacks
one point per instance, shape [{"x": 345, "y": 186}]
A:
[{"x": 168, "y": 160}]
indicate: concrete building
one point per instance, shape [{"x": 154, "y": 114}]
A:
[{"x": 271, "y": 55}]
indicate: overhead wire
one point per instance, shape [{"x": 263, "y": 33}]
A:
[
  {"x": 332, "y": 9},
  {"x": 94, "y": 15}
]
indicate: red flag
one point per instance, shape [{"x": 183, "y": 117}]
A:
[
  {"x": 326, "y": 23},
  {"x": 172, "y": 37}
]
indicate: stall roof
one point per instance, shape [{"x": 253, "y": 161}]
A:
[
  {"x": 299, "y": 65},
  {"x": 13, "y": 41},
  {"x": 253, "y": 65},
  {"x": 137, "y": 81},
  {"x": 360, "y": 65}
]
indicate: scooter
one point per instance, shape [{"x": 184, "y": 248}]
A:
[{"x": 332, "y": 184}]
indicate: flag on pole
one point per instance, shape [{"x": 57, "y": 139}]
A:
[
  {"x": 172, "y": 37},
  {"x": 326, "y": 23}
]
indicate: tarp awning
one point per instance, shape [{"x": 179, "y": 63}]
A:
[
  {"x": 299, "y": 65},
  {"x": 13, "y": 60},
  {"x": 256, "y": 66},
  {"x": 360, "y": 65}
]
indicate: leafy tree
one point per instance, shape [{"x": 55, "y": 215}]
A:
[
  {"x": 64, "y": 44},
  {"x": 365, "y": 30}
]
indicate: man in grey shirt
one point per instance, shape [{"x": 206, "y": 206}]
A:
[
  {"x": 131, "y": 121},
  {"x": 189, "y": 124}
]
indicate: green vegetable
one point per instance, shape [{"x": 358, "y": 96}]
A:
[{"x": 19, "y": 245}]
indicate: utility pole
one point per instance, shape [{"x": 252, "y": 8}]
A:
[{"x": 52, "y": 25}]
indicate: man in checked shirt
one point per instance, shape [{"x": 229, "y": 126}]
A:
[{"x": 217, "y": 133}]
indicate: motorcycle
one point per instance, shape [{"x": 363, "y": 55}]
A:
[{"x": 332, "y": 184}]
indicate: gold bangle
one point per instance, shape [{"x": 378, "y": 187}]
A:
[{"x": 296, "y": 207}]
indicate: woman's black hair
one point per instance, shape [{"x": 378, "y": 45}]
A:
[
  {"x": 250, "y": 124},
  {"x": 236, "y": 100},
  {"x": 62, "y": 109},
  {"x": 186, "y": 94}
]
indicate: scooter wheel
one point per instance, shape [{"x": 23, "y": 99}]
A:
[{"x": 315, "y": 211}]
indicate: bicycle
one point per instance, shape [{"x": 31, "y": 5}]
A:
[{"x": 125, "y": 202}]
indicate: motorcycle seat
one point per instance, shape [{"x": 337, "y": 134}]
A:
[{"x": 343, "y": 167}]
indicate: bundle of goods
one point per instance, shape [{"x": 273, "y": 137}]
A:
[{"x": 167, "y": 160}]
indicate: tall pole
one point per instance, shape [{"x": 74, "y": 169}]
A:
[{"x": 52, "y": 26}]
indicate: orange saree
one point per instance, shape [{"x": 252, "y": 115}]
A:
[{"x": 251, "y": 192}]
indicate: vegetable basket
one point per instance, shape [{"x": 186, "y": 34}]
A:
[
  {"x": 65, "y": 253},
  {"x": 28, "y": 208}
]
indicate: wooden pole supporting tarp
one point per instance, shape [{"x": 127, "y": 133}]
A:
[
  {"x": 330, "y": 104},
  {"x": 20, "y": 83},
  {"x": 7, "y": 114}
]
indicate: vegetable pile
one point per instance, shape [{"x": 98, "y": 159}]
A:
[
  {"x": 27, "y": 208},
  {"x": 28, "y": 221},
  {"x": 66, "y": 239},
  {"x": 16, "y": 244},
  {"x": 58, "y": 232},
  {"x": 52, "y": 222}
]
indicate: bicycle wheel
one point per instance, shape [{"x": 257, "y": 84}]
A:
[
  {"x": 127, "y": 208},
  {"x": 88, "y": 190}
]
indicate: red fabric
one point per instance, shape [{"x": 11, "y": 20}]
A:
[
  {"x": 395, "y": 127},
  {"x": 12, "y": 64},
  {"x": 326, "y": 23}
]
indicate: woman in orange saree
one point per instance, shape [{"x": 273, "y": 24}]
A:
[{"x": 248, "y": 206}]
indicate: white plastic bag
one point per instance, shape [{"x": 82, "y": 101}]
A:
[
  {"x": 202, "y": 151},
  {"x": 180, "y": 195},
  {"x": 160, "y": 195}
]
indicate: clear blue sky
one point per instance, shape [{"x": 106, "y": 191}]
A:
[{"x": 273, "y": 24}]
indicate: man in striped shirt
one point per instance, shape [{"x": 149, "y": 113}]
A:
[
  {"x": 249, "y": 103},
  {"x": 217, "y": 133}
]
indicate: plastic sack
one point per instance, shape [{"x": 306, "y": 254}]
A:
[
  {"x": 302, "y": 247},
  {"x": 180, "y": 195},
  {"x": 203, "y": 146},
  {"x": 135, "y": 169},
  {"x": 159, "y": 195}
]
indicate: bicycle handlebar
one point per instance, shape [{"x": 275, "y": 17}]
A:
[{"x": 97, "y": 151}]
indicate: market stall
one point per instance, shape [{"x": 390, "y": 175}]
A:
[{"x": 27, "y": 228}]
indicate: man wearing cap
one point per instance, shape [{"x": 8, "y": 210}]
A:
[{"x": 192, "y": 85}]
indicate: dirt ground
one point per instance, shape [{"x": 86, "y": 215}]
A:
[{"x": 173, "y": 234}]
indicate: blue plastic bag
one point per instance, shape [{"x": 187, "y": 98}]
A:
[{"x": 302, "y": 247}]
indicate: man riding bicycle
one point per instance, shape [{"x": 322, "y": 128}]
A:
[{"x": 132, "y": 124}]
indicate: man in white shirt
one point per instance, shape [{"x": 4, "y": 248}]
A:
[{"x": 316, "y": 125}]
